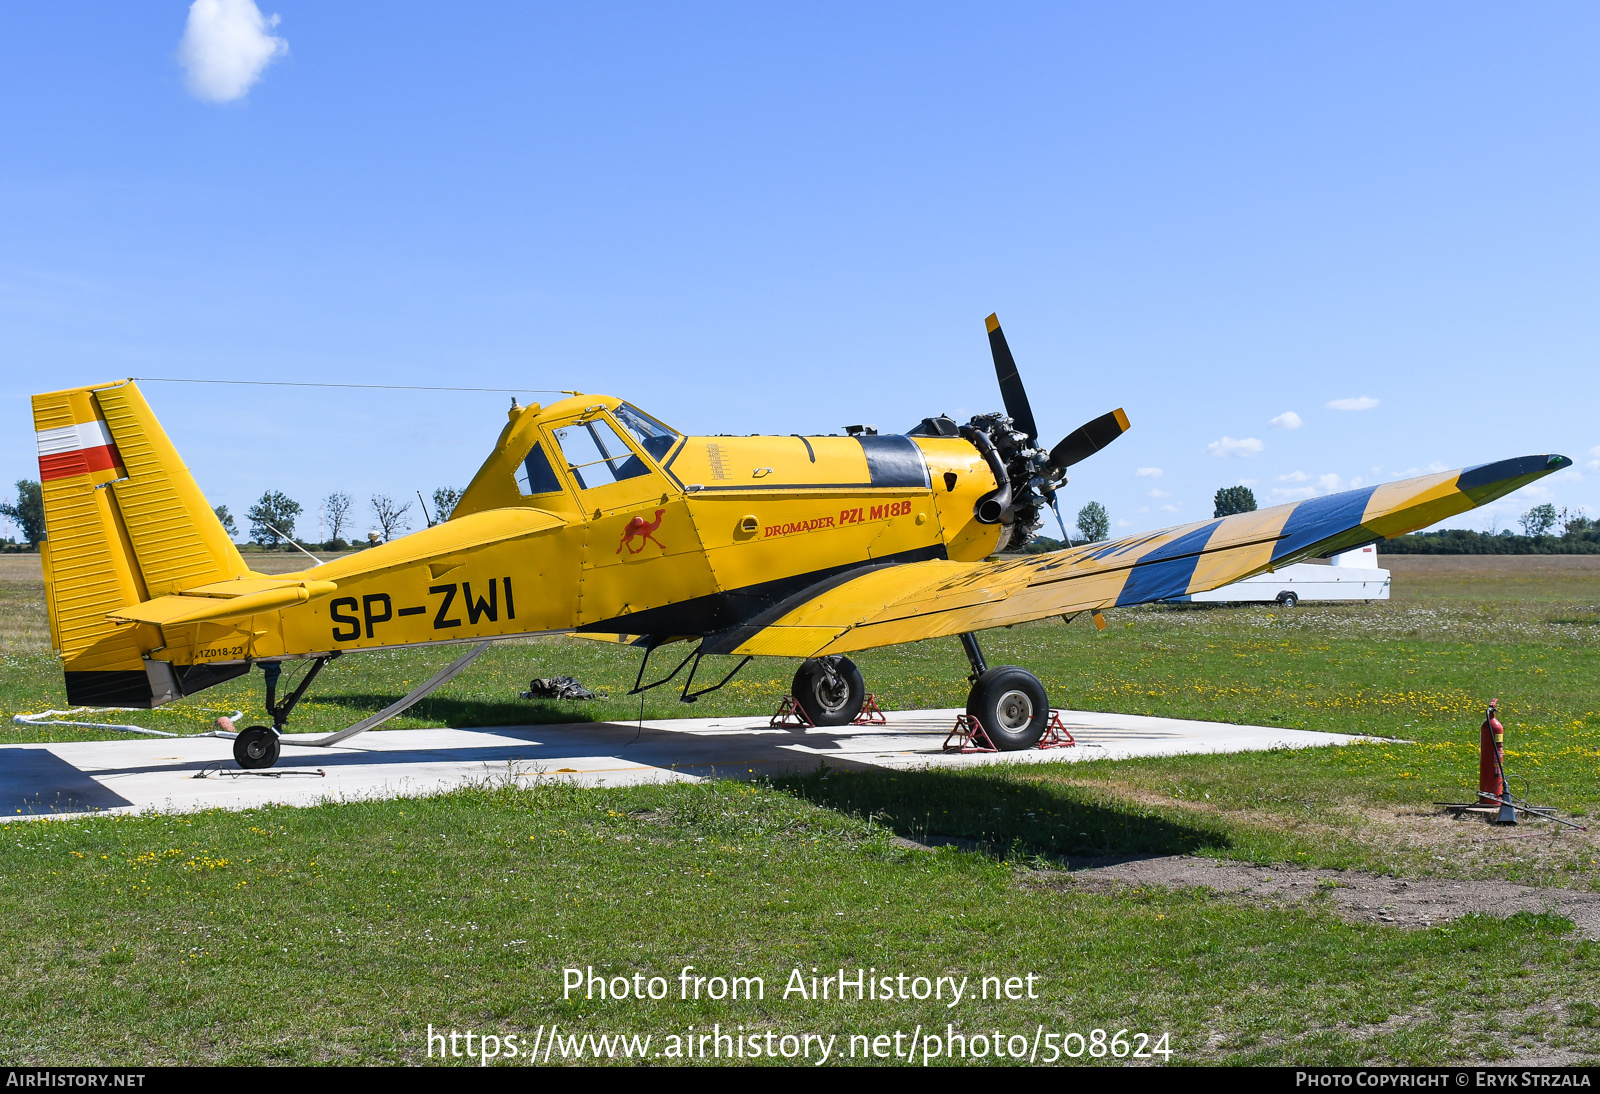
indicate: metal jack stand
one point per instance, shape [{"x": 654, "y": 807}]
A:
[
  {"x": 968, "y": 736},
  {"x": 792, "y": 715},
  {"x": 871, "y": 713},
  {"x": 1056, "y": 734}
]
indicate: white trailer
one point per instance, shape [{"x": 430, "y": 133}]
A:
[{"x": 1353, "y": 575}]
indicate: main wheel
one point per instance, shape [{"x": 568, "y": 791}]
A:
[
  {"x": 1289, "y": 600},
  {"x": 256, "y": 747},
  {"x": 829, "y": 698},
  {"x": 1012, "y": 705}
]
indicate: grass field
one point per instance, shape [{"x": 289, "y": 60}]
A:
[{"x": 339, "y": 933}]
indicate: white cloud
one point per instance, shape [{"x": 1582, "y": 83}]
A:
[
  {"x": 1294, "y": 476},
  {"x": 1593, "y": 465},
  {"x": 1160, "y": 494},
  {"x": 1121, "y": 523},
  {"x": 1155, "y": 472},
  {"x": 1169, "y": 508},
  {"x": 1293, "y": 493},
  {"x": 1227, "y": 446},
  {"x": 226, "y": 46},
  {"x": 1287, "y": 420},
  {"x": 1360, "y": 402},
  {"x": 1330, "y": 483},
  {"x": 1595, "y": 451},
  {"x": 1248, "y": 482}
]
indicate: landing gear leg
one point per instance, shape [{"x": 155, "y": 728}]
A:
[
  {"x": 257, "y": 747},
  {"x": 969, "y": 642},
  {"x": 1010, "y": 702}
]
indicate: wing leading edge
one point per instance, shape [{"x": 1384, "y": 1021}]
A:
[{"x": 935, "y": 598}]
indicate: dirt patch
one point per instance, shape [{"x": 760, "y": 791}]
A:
[
  {"x": 1403, "y": 902},
  {"x": 1352, "y": 894}
]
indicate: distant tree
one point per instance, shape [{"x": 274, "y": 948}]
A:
[
  {"x": 1234, "y": 499},
  {"x": 27, "y": 512},
  {"x": 391, "y": 518},
  {"x": 226, "y": 519},
  {"x": 272, "y": 518},
  {"x": 1539, "y": 520},
  {"x": 1093, "y": 522},
  {"x": 1040, "y": 545},
  {"x": 1574, "y": 522},
  {"x": 336, "y": 511},
  {"x": 445, "y": 500}
]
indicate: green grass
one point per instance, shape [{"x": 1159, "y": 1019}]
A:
[
  {"x": 1339, "y": 669},
  {"x": 339, "y": 933}
]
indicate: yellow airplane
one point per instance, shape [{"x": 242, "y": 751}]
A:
[{"x": 591, "y": 517}]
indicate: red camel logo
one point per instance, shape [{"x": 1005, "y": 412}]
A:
[{"x": 644, "y": 530}]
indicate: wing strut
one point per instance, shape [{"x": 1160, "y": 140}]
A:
[{"x": 399, "y": 706}]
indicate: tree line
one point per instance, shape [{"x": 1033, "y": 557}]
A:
[
  {"x": 1546, "y": 530},
  {"x": 273, "y": 517},
  {"x": 272, "y": 520}
]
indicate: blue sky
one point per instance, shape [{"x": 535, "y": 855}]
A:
[{"x": 769, "y": 218}]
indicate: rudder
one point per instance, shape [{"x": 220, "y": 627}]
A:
[{"x": 124, "y": 522}]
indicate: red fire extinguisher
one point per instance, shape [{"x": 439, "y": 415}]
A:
[{"x": 1492, "y": 788}]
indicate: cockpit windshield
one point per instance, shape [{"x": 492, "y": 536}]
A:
[{"x": 654, "y": 437}]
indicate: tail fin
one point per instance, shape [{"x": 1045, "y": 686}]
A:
[{"x": 125, "y": 522}]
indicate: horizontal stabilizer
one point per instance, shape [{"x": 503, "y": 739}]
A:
[{"x": 223, "y": 600}]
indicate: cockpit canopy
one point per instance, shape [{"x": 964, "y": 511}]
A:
[{"x": 594, "y": 453}]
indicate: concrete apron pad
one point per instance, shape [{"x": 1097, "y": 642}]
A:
[{"x": 139, "y": 774}]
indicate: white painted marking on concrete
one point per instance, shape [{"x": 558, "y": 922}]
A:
[{"x": 130, "y": 776}]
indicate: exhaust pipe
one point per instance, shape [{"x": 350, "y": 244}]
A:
[{"x": 993, "y": 506}]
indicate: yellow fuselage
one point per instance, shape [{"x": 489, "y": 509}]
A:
[{"x": 695, "y": 543}]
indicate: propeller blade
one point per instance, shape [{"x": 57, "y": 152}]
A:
[
  {"x": 1005, "y": 367},
  {"x": 1089, "y": 438}
]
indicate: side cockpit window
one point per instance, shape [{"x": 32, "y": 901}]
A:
[
  {"x": 596, "y": 456},
  {"x": 653, "y": 437},
  {"x": 537, "y": 476}
]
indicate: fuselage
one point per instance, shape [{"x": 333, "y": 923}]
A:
[{"x": 591, "y": 517}]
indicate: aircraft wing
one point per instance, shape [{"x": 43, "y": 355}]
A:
[{"x": 905, "y": 603}]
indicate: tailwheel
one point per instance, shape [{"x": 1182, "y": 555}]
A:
[
  {"x": 830, "y": 690},
  {"x": 1012, "y": 705},
  {"x": 255, "y": 748}
]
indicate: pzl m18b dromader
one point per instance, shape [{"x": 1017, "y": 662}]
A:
[{"x": 592, "y": 518}]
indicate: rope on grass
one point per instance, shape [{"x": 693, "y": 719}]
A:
[{"x": 39, "y": 721}]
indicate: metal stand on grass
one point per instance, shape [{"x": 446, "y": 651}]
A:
[{"x": 792, "y": 715}]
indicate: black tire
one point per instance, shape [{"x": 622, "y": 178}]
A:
[
  {"x": 1012, "y": 705},
  {"x": 255, "y": 748},
  {"x": 829, "y": 699},
  {"x": 1289, "y": 600}
]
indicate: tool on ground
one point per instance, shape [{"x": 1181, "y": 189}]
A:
[{"x": 559, "y": 687}]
